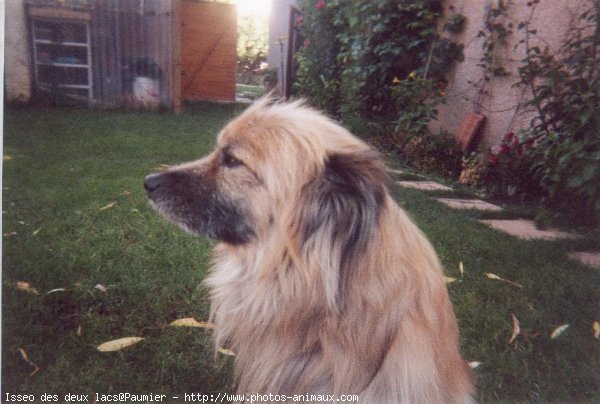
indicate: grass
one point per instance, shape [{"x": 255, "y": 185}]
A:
[
  {"x": 75, "y": 216},
  {"x": 249, "y": 91}
]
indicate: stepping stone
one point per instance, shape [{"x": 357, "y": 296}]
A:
[
  {"x": 591, "y": 259},
  {"x": 477, "y": 204},
  {"x": 525, "y": 229},
  {"x": 424, "y": 185}
]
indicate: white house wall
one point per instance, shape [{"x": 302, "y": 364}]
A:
[
  {"x": 503, "y": 107},
  {"x": 17, "y": 53}
]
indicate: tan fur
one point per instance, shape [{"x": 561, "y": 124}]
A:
[{"x": 384, "y": 330}]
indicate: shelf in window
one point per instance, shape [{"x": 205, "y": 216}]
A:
[
  {"x": 48, "y": 42},
  {"x": 73, "y": 65},
  {"x": 79, "y": 86}
]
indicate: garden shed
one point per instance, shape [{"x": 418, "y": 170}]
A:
[{"x": 131, "y": 53}]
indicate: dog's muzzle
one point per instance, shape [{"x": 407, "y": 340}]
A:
[{"x": 152, "y": 183}]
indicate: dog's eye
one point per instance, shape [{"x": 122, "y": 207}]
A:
[{"x": 230, "y": 161}]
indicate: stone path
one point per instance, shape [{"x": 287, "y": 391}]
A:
[
  {"x": 424, "y": 185},
  {"x": 591, "y": 259},
  {"x": 521, "y": 228},
  {"x": 526, "y": 229},
  {"x": 476, "y": 204}
]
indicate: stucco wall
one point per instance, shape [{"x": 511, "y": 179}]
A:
[
  {"x": 503, "y": 106},
  {"x": 17, "y": 54}
]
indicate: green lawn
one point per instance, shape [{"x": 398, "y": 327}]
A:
[
  {"x": 75, "y": 216},
  {"x": 249, "y": 91}
]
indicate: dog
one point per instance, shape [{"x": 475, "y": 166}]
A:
[{"x": 321, "y": 284}]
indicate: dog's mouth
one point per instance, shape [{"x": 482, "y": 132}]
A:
[{"x": 197, "y": 207}]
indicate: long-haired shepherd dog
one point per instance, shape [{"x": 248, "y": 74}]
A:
[{"x": 321, "y": 284}]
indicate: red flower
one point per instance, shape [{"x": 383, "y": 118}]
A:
[
  {"x": 299, "y": 19},
  {"x": 508, "y": 137},
  {"x": 504, "y": 149},
  {"x": 320, "y": 4},
  {"x": 306, "y": 43}
]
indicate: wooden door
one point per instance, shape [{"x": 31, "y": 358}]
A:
[{"x": 208, "y": 50}]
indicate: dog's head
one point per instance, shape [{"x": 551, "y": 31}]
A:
[{"x": 282, "y": 168}]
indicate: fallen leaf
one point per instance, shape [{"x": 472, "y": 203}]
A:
[
  {"x": 516, "y": 329},
  {"x": 474, "y": 364},
  {"x": 461, "y": 269},
  {"x": 29, "y": 362},
  {"x": 56, "y": 290},
  {"x": 101, "y": 288},
  {"x": 36, "y": 231},
  {"x": 118, "y": 344},
  {"x": 449, "y": 279},
  {"x": 10, "y": 234},
  {"x": 225, "y": 351},
  {"x": 79, "y": 330},
  {"x": 596, "y": 329},
  {"x": 126, "y": 193},
  {"x": 558, "y": 331},
  {"x": 110, "y": 205},
  {"x": 26, "y": 287},
  {"x": 192, "y": 322},
  {"x": 163, "y": 167},
  {"x": 7, "y": 157},
  {"x": 496, "y": 277}
]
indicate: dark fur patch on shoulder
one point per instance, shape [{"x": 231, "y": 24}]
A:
[{"x": 345, "y": 201}]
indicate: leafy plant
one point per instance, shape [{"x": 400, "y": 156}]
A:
[
  {"x": 495, "y": 33},
  {"x": 251, "y": 47},
  {"x": 508, "y": 170},
  {"x": 354, "y": 50},
  {"x": 416, "y": 100},
  {"x": 433, "y": 152},
  {"x": 473, "y": 170},
  {"x": 566, "y": 131},
  {"x": 455, "y": 24}
]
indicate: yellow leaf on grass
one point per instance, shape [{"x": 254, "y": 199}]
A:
[
  {"x": 29, "y": 362},
  {"x": 474, "y": 364},
  {"x": 596, "y": 329},
  {"x": 449, "y": 279},
  {"x": 225, "y": 351},
  {"x": 496, "y": 277},
  {"x": 36, "y": 231},
  {"x": 192, "y": 322},
  {"x": 118, "y": 344},
  {"x": 516, "y": 329},
  {"x": 110, "y": 205},
  {"x": 461, "y": 269},
  {"x": 26, "y": 287},
  {"x": 56, "y": 290},
  {"x": 558, "y": 331},
  {"x": 101, "y": 288}
]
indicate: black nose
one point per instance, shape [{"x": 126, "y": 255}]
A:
[{"x": 152, "y": 183}]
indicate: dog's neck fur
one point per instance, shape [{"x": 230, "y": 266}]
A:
[{"x": 323, "y": 350}]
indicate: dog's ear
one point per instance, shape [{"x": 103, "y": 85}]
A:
[{"x": 337, "y": 218}]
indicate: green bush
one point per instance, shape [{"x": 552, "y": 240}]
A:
[
  {"x": 566, "y": 132},
  {"x": 354, "y": 50},
  {"x": 434, "y": 152}
]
